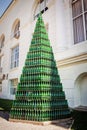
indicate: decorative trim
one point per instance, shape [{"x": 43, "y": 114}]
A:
[{"x": 77, "y": 59}]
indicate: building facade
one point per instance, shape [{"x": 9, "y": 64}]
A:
[{"x": 66, "y": 24}]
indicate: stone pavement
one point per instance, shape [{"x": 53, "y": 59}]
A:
[{"x": 7, "y": 125}]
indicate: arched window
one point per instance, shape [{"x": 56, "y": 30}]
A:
[
  {"x": 41, "y": 7},
  {"x": 2, "y": 40},
  {"x": 16, "y": 29}
]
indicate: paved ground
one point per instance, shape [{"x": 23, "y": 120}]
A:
[{"x": 6, "y": 125}]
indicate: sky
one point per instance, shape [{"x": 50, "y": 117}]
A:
[{"x": 3, "y": 5}]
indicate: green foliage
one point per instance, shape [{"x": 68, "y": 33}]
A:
[{"x": 6, "y": 104}]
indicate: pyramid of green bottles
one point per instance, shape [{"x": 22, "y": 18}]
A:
[{"x": 40, "y": 95}]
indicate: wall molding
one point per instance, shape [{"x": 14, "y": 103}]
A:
[{"x": 77, "y": 59}]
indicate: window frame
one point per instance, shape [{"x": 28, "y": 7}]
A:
[
  {"x": 13, "y": 88},
  {"x": 41, "y": 10},
  {"x": 83, "y": 21},
  {"x": 14, "y": 57},
  {"x": 17, "y": 30}
]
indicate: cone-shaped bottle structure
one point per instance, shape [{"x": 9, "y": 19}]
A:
[{"x": 40, "y": 95}]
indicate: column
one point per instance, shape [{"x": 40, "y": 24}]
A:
[{"x": 61, "y": 40}]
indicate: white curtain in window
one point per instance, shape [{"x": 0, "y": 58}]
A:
[
  {"x": 86, "y": 24},
  {"x": 77, "y": 8},
  {"x": 85, "y": 5},
  {"x": 78, "y": 29}
]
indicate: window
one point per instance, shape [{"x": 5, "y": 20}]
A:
[
  {"x": 41, "y": 7},
  {"x": 2, "y": 40},
  {"x": 13, "y": 86},
  {"x": 16, "y": 29},
  {"x": 79, "y": 13},
  {"x": 15, "y": 57}
]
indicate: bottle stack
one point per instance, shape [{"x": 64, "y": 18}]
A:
[{"x": 40, "y": 95}]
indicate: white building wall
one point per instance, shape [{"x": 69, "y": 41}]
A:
[
  {"x": 59, "y": 19},
  {"x": 68, "y": 75}
]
